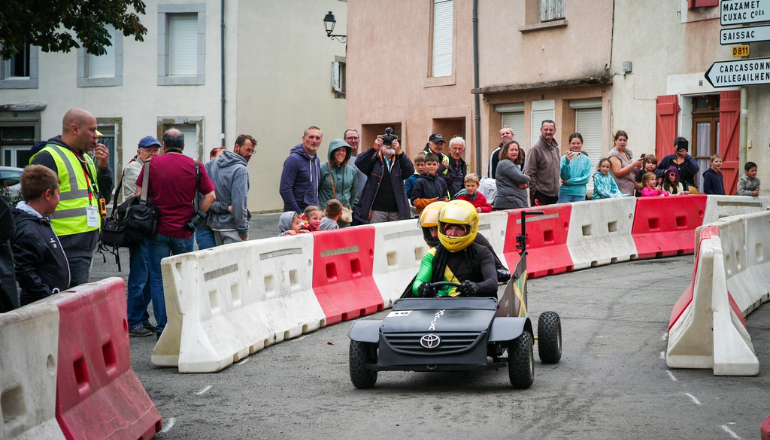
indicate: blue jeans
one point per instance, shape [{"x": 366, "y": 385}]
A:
[
  {"x": 205, "y": 238},
  {"x": 159, "y": 247},
  {"x": 138, "y": 295},
  {"x": 563, "y": 198}
]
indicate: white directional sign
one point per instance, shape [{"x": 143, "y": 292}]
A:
[
  {"x": 739, "y": 73},
  {"x": 743, "y": 11},
  {"x": 744, "y": 35}
]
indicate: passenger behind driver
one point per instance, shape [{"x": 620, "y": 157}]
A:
[
  {"x": 428, "y": 222},
  {"x": 457, "y": 258}
]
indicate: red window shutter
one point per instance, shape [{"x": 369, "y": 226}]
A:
[
  {"x": 692, "y": 4},
  {"x": 729, "y": 137},
  {"x": 665, "y": 125}
]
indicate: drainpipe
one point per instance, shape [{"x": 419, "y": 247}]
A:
[
  {"x": 744, "y": 128},
  {"x": 222, "y": 50},
  {"x": 476, "y": 116}
]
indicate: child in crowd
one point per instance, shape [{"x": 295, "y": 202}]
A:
[
  {"x": 748, "y": 185},
  {"x": 314, "y": 215},
  {"x": 332, "y": 213},
  {"x": 671, "y": 182},
  {"x": 713, "y": 180},
  {"x": 41, "y": 266},
  {"x": 471, "y": 194},
  {"x": 650, "y": 182},
  {"x": 650, "y": 164},
  {"x": 604, "y": 184},
  {"x": 429, "y": 188},
  {"x": 290, "y": 223},
  {"x": 419, "y": 168}
]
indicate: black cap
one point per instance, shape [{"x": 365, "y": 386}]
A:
[{"x": 436, "y": 137}]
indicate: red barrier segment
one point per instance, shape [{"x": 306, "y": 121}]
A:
[
  {"x": 665, "y": 226},
  {"x": 765, "y": 429},
  {"x": 546, "y": 240},
  {"x": 342, "y": 273},
  {"x": 686, "y": 298},
  {"x": 98, "y": 395}
]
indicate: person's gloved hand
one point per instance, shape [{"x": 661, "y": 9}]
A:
[
  {"x": 468, "y": 288},
  {"x": 426, "y": 290},
  {"x": 503, "y": 275}
]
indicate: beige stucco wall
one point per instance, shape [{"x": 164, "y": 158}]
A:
[
  {"x": 388, "y": 70},
  {"x": 140, "y": 101},
  {"x": 284, "y": 85}
]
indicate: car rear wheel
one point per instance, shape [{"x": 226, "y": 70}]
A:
[
  {"x": 549, "y": 337},
  {"x": 360, "y": 354},
  {"x": 521, "y": 361}
]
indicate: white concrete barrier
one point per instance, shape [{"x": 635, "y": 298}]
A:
[
  {"x": 718, "y": 207},
  {"x": 29, "y": 348},
  {"x": 758, "y": 255},
  {"x": 600, "y": 232},
  {"x": 399, "y": 248},
  {"x": 493, "y": 225},
  {"x": 228, "y": 302}
]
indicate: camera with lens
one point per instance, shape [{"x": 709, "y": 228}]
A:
[
  {"x": 389, "y": 137},
  {"x": 197, "y": 219}
]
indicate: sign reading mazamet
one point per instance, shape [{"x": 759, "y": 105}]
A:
[
  {"x": 739, "y": 73},
  {"x": 743, "y": 11}
]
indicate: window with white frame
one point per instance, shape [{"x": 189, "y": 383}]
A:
[
  {"x": 541, "y": 111},
  {"x": 20, "y": 71},
  {"x": 443, "y": 34},
  {"x": 102, "y": 70},
  {"x": 551, "y": 10},
  {"x": 181, "y": 41}
]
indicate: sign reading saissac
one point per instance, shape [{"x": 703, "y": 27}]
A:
[
  {"x": 743, "y": 11},
  {"x": 739, "y": 73},
  {"x": 744, "y": 35}
]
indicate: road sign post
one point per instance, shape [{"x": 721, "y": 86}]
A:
[{"x": 739, "y": 73}]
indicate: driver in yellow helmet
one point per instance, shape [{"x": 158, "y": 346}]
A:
[
  {"x": 457, "y": 258},
  {"x": 428, "y": 222}
]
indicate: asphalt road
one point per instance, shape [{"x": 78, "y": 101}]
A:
[{"x": 612, "y": 381}]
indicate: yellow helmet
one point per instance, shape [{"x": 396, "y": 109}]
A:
[
  {"x": 461, "y": 213},
  {"x": 429, "y": 219}
]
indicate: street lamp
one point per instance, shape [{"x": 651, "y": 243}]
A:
[{"x": 329, "y": 23}]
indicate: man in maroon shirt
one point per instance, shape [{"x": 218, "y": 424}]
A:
[{"x": 172, "y": 187}]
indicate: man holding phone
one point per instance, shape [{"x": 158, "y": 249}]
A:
[{"x": 686, "y": 164}]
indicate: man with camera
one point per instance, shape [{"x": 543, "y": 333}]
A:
[
  {"x": 83, "y": 185},
  {"x": 384, "y": 197},
  {"x": 231, "y": 179},
  {"x": 173, "y": 182}
]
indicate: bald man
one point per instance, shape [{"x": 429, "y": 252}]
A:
[{"x": 77, "y": 218}]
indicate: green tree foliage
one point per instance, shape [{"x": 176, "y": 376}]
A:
[{"x": 62, "y": 25}]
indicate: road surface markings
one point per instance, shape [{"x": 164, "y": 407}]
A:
[
  {"x": 726, "y": 429},
  {"x": 694, "y": 399},
  {"x": 663, "y": 355},
  {"x": 671, "y": 375},
  {"x": 665, "y": 336},
  {"x": 171, "y": 423},
  {"x": 243, "y": 361},
  {"x": 201, "y": 392},
  {"x": 300, "y": 338}
]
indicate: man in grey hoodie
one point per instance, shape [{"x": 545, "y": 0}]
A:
[{"x": 231, "y": 179}]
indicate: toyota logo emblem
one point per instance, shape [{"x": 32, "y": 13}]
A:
[{"x": 430, "y": 341}]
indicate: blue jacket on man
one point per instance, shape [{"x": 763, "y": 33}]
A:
[
  {"x": 373, "y": 165},
  {"x": 299, "y": 180}
]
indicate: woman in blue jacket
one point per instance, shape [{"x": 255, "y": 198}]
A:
[{"x": 575, "y": 171}]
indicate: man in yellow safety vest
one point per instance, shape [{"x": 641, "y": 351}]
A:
[{"x": 78, "y": 216}]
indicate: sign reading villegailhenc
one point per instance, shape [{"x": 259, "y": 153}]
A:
[{"x": 739, "y": 73}]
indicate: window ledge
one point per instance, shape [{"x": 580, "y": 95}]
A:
[
  {"x": 439, "y": 81},
  {"x": 542, "y": 26}
]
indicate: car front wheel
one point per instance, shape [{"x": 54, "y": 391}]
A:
[
  {"x": 521, "y": 361},
  {"x": 362, "y": 353}
]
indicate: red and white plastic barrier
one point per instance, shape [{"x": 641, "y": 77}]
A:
[
  {"x": 546, "y": 240},
  {"x": 764, "y": 430},
  {"x": 665, "y": 226},
  {"x": 399, "y": 250},
  {"x": 600, "y": 232}
]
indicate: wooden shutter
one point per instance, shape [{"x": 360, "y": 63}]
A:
[
  {"x": 103, "y": 66},
  {"x": 665, "y": 125},
  {"x": 443, "y": 32},
  {"x": 183, "y": 44},
  {"x": 692, "y": 4},
  {"x": 588, "y": 122},
  {"x": 729, "y": 137}
]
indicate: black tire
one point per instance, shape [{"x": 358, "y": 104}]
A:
[
  {"x": 549, "y": 337},
  {"x": 521, "y": 361},
  {"x": 360, "y": 354}
]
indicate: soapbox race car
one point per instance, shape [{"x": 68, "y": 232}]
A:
[{"x": 458, "y": 333}]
